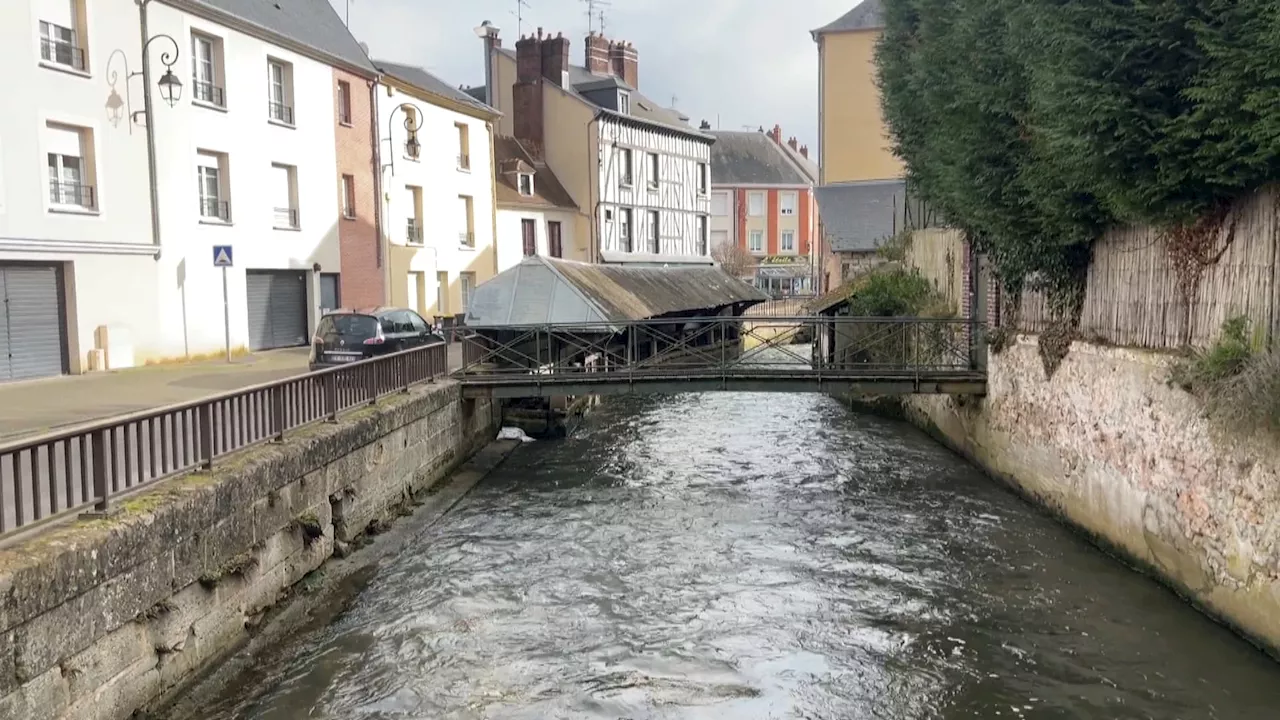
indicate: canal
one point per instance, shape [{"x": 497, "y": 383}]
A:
[{"x": 755, "y": 556}]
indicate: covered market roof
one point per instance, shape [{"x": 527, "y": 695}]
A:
[{"x": 546, "y": 291}]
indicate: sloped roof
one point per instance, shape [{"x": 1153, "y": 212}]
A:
[
  {"x": 542, "y": 291},
  {"x": 547, "y": 190},
  {"x": 856, "y": 217},
  {"x": 752, "y": 158},
  {"x": 311, "y": 23},
  {"x": 807, "y": 166},
  {"x": 868, "y": 15},
  {"x": 424, "y": 80}
]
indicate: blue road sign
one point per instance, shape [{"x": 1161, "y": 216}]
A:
[{"x": 222, "y": 256}]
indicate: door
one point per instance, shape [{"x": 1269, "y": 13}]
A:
[
  {"x": 277, "y": 303},
  {"x": 528, "y": 233},
  {"x": 553, "y": 240},
  {"x": 32, "y": 324},
  {"x": 330, "y": 294},
  {"x": 417, "y": 286}
]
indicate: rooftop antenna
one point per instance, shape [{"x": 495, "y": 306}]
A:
[
  {"x": 519, "y": 13},
  {"x": 595, "y": 8}
]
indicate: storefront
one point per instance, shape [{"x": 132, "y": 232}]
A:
[{"x": 782, "y": 276}]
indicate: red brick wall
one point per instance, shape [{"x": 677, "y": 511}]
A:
[
  {"x": 771, "y": 235},
  {"x": 362, "y": 281}
]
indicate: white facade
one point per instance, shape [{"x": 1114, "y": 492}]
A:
[
  {"x": 68, "y": 119},
  {"x": 438, "y": 214},
  {"x": 632, "y": 198},
  {"x": 511, "y": 233}
]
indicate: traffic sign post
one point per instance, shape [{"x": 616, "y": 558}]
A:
[{"x": 222, "y": 259}]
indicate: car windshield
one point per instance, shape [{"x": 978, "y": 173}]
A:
[{"x": 362, "y": 326}]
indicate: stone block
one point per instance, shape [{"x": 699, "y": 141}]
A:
[
  {"x": 42, "y": 698},
  {"x": 170, "y": 628},
  {"x": 120, "y": 697},
  {"x": 228, "y": 538},
  {"x": 117, "y": 652},
  {"x": 8, "y": 660},
  {"x": 77, "y": 623}
]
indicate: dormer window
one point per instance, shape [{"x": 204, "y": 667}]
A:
[
  {"x": 526, "y": 184},
  {"x": 624, "y": 102}
]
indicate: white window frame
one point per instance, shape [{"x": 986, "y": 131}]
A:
[
  {"x": 205, "y": 71},
  {"x": 702, "y": 225},
  {"x": 787, "y": 241},
  {"x": 292, "y": 216},
  {"x": 52, "y": 41},
  {"x": 280, "y": 92},
  {"x": 655, "y": 168},
  {"x": 755, "y": 241},
  {"x": 625, "y": 229},
  {"x": 752, "y": 198},
  {"x": 467, "y": 288},
  {"x": 521, "y": 179},
  {"x": 786, "y": 199},
  {"x": 704, "y": 178},
  {"x": 212, "y": 165},
  {"x": 655, "y": 234},
  {"x": 344, "y": 103},
  {"x": 624, "y": 102},
  {"x": 347, "y": 186},
  {"x": 723, "y": 199},
  {"x": 626, "y": 171}
]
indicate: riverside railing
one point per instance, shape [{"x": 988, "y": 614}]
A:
[{"x": 88, "y": 466}]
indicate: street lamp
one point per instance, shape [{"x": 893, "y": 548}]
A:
[
  {"x": 170, "y": 85},
  {"x": 412, "y": 146}
]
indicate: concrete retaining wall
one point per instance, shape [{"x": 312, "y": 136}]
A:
[
  {"x": 101, "y": 617},
  {"x": 1110, "y": 446}
]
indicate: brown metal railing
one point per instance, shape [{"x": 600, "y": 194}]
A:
[{"x": 91, "y": 465}]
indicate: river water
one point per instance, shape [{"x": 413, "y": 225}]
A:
[{"x": 746, "y": 556}]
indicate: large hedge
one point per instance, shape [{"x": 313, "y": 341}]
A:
[{"x": 1035, "y": 124}]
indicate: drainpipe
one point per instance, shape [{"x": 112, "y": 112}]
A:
[
  {"x": 594, "y": 254},
  {"x": 151, "y": 133},
  {"x": 380, "y": 250},
  {"x": 493, "y": 195}
]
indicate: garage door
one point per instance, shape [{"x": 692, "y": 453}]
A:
[
  {"x": 32, "y": 330},
  {"x": 277, "y": 309}
]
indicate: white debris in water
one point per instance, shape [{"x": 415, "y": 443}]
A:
[{"x": 513, "y": 433}]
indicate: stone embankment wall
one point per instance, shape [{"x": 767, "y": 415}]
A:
[
  {"x": 1116, "y": 451},
  {"x": 102, "y": 617}
]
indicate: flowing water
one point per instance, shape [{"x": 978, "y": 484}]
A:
[{"x": 748, "y": 556}]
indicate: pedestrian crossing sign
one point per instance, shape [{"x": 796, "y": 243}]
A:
[{"x": 222, "y": 256}]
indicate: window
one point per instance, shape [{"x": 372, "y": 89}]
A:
[
  {"x": 413, "y": 224},
  {"x": 654, "y": 165},
  {"x": 704, "y": 178},
  {"x": 206, "y": 71},
  {"x": 285, "y": 187},
  {"x": 280, "y": 91},
  {"x": 467, "y": 283},
  {"x": 344, "y": 102},
  {"x": 655, "y": 228},
  {"x": 212, "y": 179},
  {"x": 787, "y": 203},
  {"x": 719, "y": 237},
  {"x": 788, "y": 241},
  {"x": 624, "y": 103},
  {"x": 349, "y": 197},
  {"x": 464, "y": 147},
  {"x": 526, "y": 184},
  {"x": 529, "y": 236},
  {"x": 702, "y": 234},
  {"x": 554, "y": 246},
  {"x": 442, "y": 293},
  {"x": 720, "y": 204},
  {"x": 755, "y": 204},
  {"x": 755, "y": 241},
  {"x": 59, "y": 39},
  {"x": 467, "y": 236},
  {"x": 69, "y": 156},
  {"x": 624, "y": 228},
  {"x": 624, "y": 165}
]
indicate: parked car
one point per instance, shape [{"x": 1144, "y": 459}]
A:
[{"x": 346, "y": 336}]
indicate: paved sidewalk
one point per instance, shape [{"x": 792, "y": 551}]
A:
[{"x": 42, "y": 405}]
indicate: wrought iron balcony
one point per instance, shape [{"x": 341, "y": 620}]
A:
[
  {"x": 215, "y": 209},
  {"x": 281, "y": 112},
  {"x": 413, "y": 232},
  {"x": 62, "y": 53},
  {"x": 207, "y": 92},
  {"x": 286, "y": 218},
  {"x": 74, "y": 194}
]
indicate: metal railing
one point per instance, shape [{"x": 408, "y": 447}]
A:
[
  {"x": 207, "y": 92},
  {"x": 728, "y": 346},
  {"x": 215, "y": 208},
  {"x": 62, "y": 53},
  {"x": 413, "y": 232},
  {"x": 286, "y": 218},
  {"x": 61, "y": 193},
  {"x": 281, "y": 112},
  {"x": 90, "y": 466}
]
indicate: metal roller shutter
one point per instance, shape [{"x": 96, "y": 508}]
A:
[
  {"x": 32, "y": 330},
  {"x": 277, "y": 304}
]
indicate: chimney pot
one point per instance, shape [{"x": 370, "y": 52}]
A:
[
  {"x": 792, "y": 143},
  {"x": 804, "y": 150}
]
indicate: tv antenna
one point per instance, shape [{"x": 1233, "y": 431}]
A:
[
  {"x": 595, "y": 11},
  {"x": 519, "y": 13}
]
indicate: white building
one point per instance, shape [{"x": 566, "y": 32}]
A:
[
  {"x": 535, "y": 213},
  {"x": 437, "y": 176},
  {"x": 245, "y": 157}
]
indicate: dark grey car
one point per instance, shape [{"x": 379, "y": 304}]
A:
[{"x": 346, "y": 336}]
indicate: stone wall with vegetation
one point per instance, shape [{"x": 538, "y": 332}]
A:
[
  {"x": 1116, "y": 448},
  {"x": 102, "y": 617}
]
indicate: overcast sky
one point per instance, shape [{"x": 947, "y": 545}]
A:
[{"x": 734, "y": 63}]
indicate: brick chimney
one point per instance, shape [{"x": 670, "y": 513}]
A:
[
  {"x": 526, "y": 94},
  {"x": 793, "y": 145},
  {"x": 804, "y": 150},
  {"x": 776, "y": 134},
  {"x": 625, "y": 62},
  {"x": 597, "y": 54},
  {"x": 555, "y": 59}
]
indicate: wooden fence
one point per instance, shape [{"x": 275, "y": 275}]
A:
[
  {"x": 1133, "y": 298},
  {"x": 939, "y": 256}
]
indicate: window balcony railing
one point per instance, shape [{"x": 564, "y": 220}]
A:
[
  {"x": 281, "y": 112},
  {"x": 207, "y": 92},
  {"x": 413, "y": 232},
  {"x": 215, "y": 209},
  {"x": 74, "y": 194},
  {"x": 467, "y": 238},
  {"x": 286, "y": 218},
  {"x": 464, "y": 162},
  {"x": 62, "y": 53}
]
